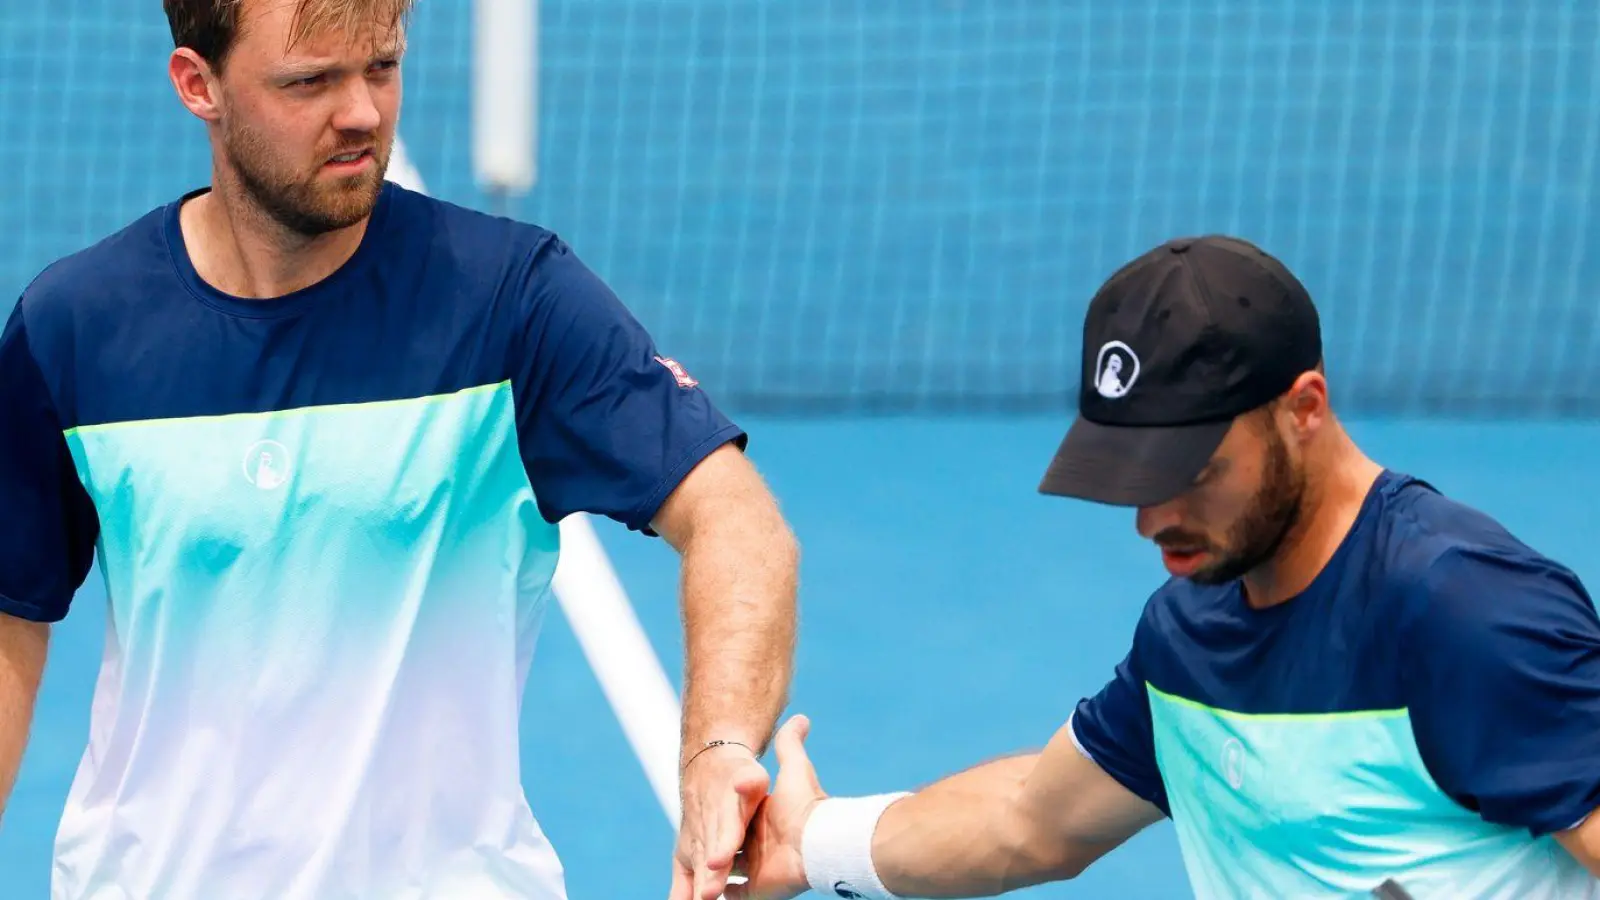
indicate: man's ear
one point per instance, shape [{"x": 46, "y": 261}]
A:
[
  {"x": 196, "y": 83},
  {"x": 1306, "y": 403}
]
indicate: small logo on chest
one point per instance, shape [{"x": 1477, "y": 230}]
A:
[
  {"x": 1233, "y": 762},
  {"x": 267, "y": 465}
]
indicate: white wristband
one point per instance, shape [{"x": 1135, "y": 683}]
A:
[{"x": 836, "y": 847}]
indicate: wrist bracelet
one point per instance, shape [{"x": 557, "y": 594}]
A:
[{"x": 711, "y": 745}]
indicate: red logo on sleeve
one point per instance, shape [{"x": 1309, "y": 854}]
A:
[{"x": 679, "y": 373}]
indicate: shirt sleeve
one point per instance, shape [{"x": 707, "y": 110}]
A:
[
  {"x": 48, "y": 524},
  {"x": 1113, "y": 729},
  {"x": 606, "y": 423},
  {"x": 1504, "y": 689}
]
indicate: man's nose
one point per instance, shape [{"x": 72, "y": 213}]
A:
[{"x": 1152, "y": 520}]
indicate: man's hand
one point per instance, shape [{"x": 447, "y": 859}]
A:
[
  {"x": 771, "y": 859},
  {"x": 722, "y": 788}
]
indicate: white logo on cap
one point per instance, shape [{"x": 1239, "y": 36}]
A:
[{"x": 1115, "y": 370}]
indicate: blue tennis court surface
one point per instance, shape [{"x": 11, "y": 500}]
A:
[{"x": 950, "y": 614}]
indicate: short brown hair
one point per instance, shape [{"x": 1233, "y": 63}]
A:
[{"x": 211, "y": 27}]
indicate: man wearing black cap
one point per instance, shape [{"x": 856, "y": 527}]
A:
[{"x": 1351, "y": 684}]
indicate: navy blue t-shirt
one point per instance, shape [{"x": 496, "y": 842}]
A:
[
  {"x": 436, "y": 299},
  {"x": 1436, "y": 668},
  {"x": 326, "y": 525}
]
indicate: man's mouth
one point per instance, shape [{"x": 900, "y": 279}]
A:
[
  {"x": 1182, "y": 560},
  {"x": 351, "y": 159}
]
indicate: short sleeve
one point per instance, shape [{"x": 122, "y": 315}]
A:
[
  {"x": 47, "y": 521},
  {"x": 607, "y": 424},
  {"x": 1113, "y": 729},
  {"x": 1504, "y": 689}
]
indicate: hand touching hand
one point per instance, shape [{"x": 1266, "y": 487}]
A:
[
  {"x": 771, "y": 859},
  {"x": 722, "y": 787}
]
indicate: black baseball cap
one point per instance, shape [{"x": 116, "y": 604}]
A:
[{"x": 1176, "y": 345}]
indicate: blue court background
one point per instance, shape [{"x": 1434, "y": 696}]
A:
[
  {"x": 857, "y": 205},
  {"x": 950, "y": 614},
  {"x": 851, "y": 206}
]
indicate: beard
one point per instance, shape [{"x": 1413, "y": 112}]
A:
[
  {"x": 1272, "y": 513},
  {"x": 306, "y": 205}
]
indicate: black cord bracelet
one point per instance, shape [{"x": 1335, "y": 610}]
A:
[{"x": 711, "y": 744}]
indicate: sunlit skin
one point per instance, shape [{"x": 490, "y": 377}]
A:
[
  {"x": 284, "y": 213},
  {"x": 1272, "y": 504}
]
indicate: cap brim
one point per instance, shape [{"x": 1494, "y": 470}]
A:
[{"x": 1131, "y": 466}]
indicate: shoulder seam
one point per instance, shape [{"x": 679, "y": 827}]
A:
[
  {"x": 50, "y": 398},
  {"x": 1417, "y": 582}
]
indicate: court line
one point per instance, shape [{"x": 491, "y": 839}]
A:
[{"x": 606, "y": 626}]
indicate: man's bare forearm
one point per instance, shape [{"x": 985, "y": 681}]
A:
[
  {"x": 1005, "y": 825},
  {"x": 22, "y": 654},
  {"x": 966, "y": 836},
  {"x": 739, "y": 585}
]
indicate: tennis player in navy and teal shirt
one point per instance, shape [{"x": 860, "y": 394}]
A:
[
  {"x": 1351, "y": 681},
  {"x": 321, "y": 431}
]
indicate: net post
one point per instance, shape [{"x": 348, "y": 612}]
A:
[{"x": 505, "y": 97}]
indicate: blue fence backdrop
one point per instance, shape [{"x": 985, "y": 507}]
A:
[{"x": 856, "y": 205}]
